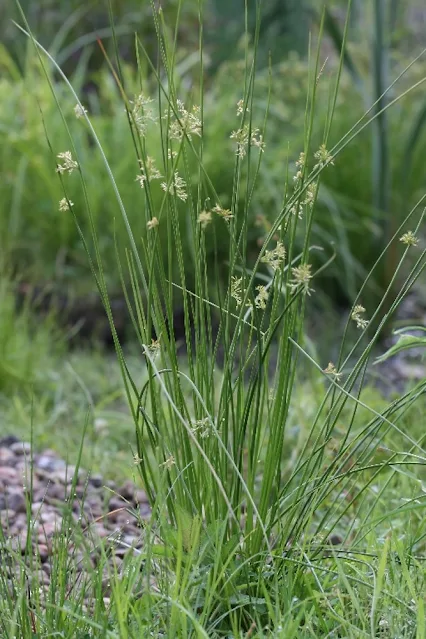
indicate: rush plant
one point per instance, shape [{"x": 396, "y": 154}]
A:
[{"x": 260, "y": 527}]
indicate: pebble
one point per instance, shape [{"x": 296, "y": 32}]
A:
[
  {"x": 8, "y": 475},
  {"x": 89, "y": 509},
  {"x": 49, "y": 463},
  {"x": 21, "y": 448},
  {"x": 96, "y": 481},
  {"x": 6, "y": 456},
  {"x": 15, "y": 500}
]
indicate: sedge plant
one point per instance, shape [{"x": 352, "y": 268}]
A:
[{"x": 252, "y": 533}]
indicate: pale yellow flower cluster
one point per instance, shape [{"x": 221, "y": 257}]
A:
[
  {"x": 68, "y": 164},
  {"x": 204, "y": 218},
  {"x": 152, "y": 223},
  {"x": 261, "y": 298},
  {"x": 275, "y": 258},
  {"x": 324, "y": 158},
  {"x": 244, "y": 136},
  {"x": 240, "y": 107},
  {"x": 187, "y": 123},
  {"x": 176, "y": 187},
  {"x": 236, "y": 283},
  {"x": 301, "y": 279},
  {"x": 409, "y": 239},
  {"x": 356, "y": 316},
  {"x": 79, "y": 111},
  {"x": 64, "y": 204},
  {"x": 142, "y": 113},
  {"x": 224, "y": 213},
  {"x": 148, "y": 172},
  {"x": 332, "y": 371}
]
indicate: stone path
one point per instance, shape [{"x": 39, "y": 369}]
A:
[{"x": 99, "y": 510}]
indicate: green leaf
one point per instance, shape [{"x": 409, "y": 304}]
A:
[
  {"x": 190, "y": 527},
  {"x": 404, "y": 342},
  {"x": 334, "y": 31}
]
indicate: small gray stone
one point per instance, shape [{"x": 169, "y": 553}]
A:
[
  {"x": 36, "y": 507},
  {"x": 15, "y": 500},
  {"x": 96, "y": 481},
  {"x": 7, "y": 457},
  {"x": 49, "y": 463},
  {"x": 19, "y": 543},
  {"x": 140, "y": 497},
  {"x": 21, "y": 448},
  {"x": 116, "y": 503},
  {"x": 8, "y": 475},
  {"x": 63, "y": 475},
  {"x": 44, "y": 552},
  {"x": 7, "y": 516},
  {"x": 8, "y": 441},
  {"x": 127, "y": 490},
  {"x": 145, "y": 511},
  {"x": 99, "y": 530},
  {"x": 39, "y": 578}
]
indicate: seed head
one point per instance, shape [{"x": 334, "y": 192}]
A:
[
  {"x": 301, "y": 278},
  {"x": 409, "y": 239},
  {"x": 148, "y": 172},
  {"x": 225, "y": 213},
  {"x": 176, "y": 187},
  {"x": 79, "y": 111},
  {"x": 142, "y": 113},
  {"x": 68, "y": 163},
  {"x": 170, "y": 461},
  {"x": 240, "y": 107},
  {"x": 261, "y": 298},
  {"x": 187, "y": 123},
  {"x": 331, "y": 370},
  {"x": 202, "y": 427},
  {"x": 154, "y": 348},
  {"x": 152, "y": 223},
  {"x": 300, "y": 163},
  {"x": 241, "y": 137},
  {"x": 356, "y": 316},
  {"x": 236, "y": 283},
  {"x": 311, "y": 192},
  {"x": 275, "y": 258},
  {"x": 257, "y": 140},
  {"x": 324, "y": 157},
  {"x": 64, "y": 204},
  {"x": 298, "y": 176},
  {"x": 204, "y": 218}
]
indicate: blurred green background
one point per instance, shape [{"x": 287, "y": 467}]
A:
[{"x": 361, "y": 202}]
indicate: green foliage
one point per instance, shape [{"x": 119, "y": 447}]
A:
[
  {"x": 69, "y": 28},
  {"x": 368, "y": 195},
  {"x": 25, "y": 347},
  {"x": 350, "y": 218},
  {"x": 405, "y": 342},
  {"x": 284, "y": 27}
]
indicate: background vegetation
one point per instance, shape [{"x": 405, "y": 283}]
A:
[{"x": 361, "y": 201}]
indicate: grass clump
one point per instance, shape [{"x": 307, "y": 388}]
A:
[{"x": 273, "y": 513}]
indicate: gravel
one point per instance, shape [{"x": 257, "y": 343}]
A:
[{"x": 38, "y": 486}]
